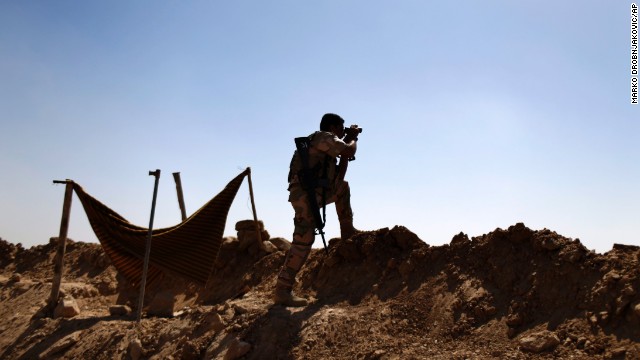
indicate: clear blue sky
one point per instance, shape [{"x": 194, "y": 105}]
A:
[{"x": 476, "y": 115}]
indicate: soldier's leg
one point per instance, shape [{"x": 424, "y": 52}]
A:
[
  {"x": 303, "y": 237},
  {"x": 343, "y": 208}
]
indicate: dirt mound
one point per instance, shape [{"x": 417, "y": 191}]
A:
[{"x": 385, "y": 294}]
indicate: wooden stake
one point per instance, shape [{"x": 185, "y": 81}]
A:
[
  {"x": 147, "y": 252},
  {"x": 255, "y": 216},
  {"x": 183, "y": 210},
  {"x": 58, "y": 269}
]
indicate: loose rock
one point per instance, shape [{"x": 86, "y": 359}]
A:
[
  {"x": 237, "y": 349},
  {"x": 67, "y": 307},
  {"x": 539, "y": 342},
  {"x": 119, "y": 310},
  {"x": 162, "y": 304}
]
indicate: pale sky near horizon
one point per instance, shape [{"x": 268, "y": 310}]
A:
[{"x": 476, "y": 115}]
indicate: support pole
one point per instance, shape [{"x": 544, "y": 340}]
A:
[
  {"x": 147, "y": 251},
  {"x": 183, "y": 210},
  {"x": 255, "y": 216},
  {"x": 58, "y": 270}
]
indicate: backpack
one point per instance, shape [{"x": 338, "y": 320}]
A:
[{"x": 315, "y": 176}]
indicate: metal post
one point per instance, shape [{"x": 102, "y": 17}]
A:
[
  {"x": 255, "y": 216},
  {"x": 183, "y": 210},
  {"x": 148, "y": 247},
  {"x": 58, "y": 270}
]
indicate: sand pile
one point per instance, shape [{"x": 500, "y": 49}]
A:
[{"x": 509, "y": 294}]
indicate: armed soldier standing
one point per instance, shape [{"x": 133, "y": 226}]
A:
[{"x": 313, "y": 171}]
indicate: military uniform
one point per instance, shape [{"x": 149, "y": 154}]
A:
[{"x": 325, "y": 147}]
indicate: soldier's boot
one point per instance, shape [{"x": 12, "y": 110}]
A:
[
  {"x": 284, "y": 296},
  {"x": 345, "y": 214},
  {"x": 347, "y": 230}
]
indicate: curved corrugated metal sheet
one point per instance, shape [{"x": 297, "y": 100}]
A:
[{"x": 188, "y": 249}]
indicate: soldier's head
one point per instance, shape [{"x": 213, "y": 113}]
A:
[{"x": 332, "y": 123}]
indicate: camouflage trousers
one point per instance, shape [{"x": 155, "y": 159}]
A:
[{"x": 304, "y": 228}]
